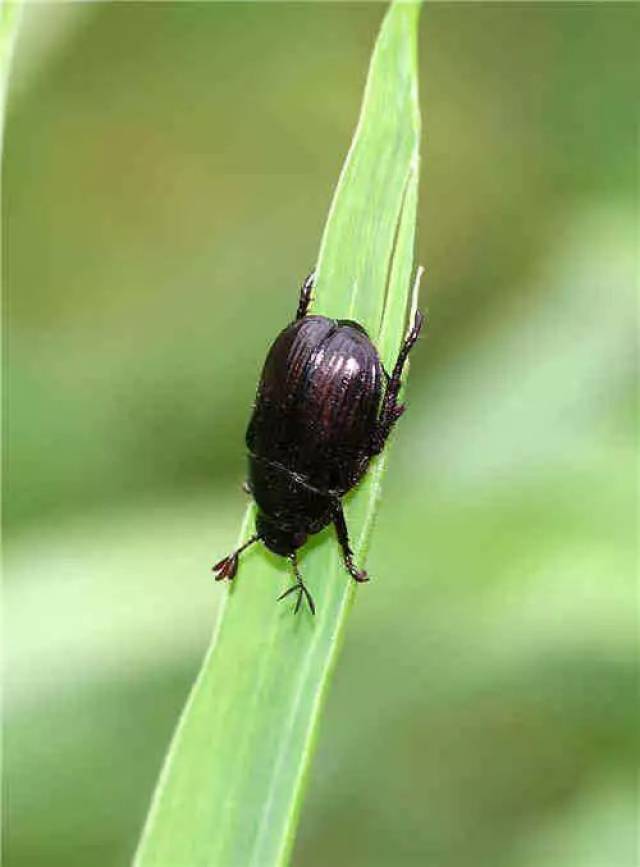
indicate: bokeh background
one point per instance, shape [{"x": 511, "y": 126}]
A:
[{"x": 167, "y": 175}]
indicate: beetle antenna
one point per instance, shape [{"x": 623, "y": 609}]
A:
[
  {"x": 228, "y": 566},
  {"x": 299, "y": 586}
]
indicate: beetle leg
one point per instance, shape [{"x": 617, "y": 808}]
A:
[
  {"x": 299, "y": 586},
  {"x": 228, "y": 566},
  {"x": 343, "y": 537},
  {"x": 305, "y": 295},
  {"x": 391, "y": 409}
]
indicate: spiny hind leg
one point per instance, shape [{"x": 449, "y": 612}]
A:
[
  {"x": 391, "y": 409},
  {"x": 305, "y": 295}
]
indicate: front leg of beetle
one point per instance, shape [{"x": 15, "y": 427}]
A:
[
  {"x": 299, "y": 587},
  {"x": 228, "y": 566},
  {"x": 391, "y": 409},
  {"x": 343, "y": 537},
  {"x": 305, "y": 296}
]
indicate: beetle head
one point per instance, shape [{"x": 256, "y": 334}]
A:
[{"x": 277, "y": 539}]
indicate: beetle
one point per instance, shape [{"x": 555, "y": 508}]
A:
[{"x": 324, "y": 407}]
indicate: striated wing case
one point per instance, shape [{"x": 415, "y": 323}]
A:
[{"x": 317, "y": 401}]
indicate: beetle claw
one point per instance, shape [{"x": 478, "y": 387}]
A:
[
  {"x": 358, "y": 575},
  {"x": 226, "y": 568},
  {"x": 302, "y": 592}
]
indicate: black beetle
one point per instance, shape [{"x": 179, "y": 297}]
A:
[{"x": 325, "y": 406}]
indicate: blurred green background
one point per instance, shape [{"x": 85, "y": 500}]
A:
[{"x": 167, "y": 175}]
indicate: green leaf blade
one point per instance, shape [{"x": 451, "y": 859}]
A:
[
  {"x": 10, "y": 15},
  {"x": 358, "y": 240},
  {"x": 230, "y": 791}
]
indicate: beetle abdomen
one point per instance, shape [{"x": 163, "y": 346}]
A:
[{"x": 318, "y": 400}]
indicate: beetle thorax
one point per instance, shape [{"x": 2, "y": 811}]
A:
[{"x": 277, "y": 539}]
